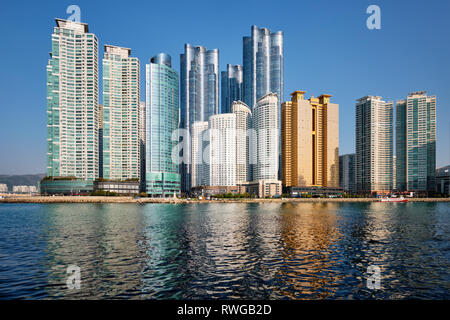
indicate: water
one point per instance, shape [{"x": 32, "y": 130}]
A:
[{"x": 225, "y": 251}]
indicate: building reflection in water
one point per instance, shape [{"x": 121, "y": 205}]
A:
[
  {"x": 103, "y": 240},
  {"x": 308, "y": 234}
]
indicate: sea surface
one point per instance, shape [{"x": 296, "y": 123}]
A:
[{"x": 225, "y": 251}]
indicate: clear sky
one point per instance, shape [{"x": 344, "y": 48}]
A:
[{"x": 328, "y": 49}]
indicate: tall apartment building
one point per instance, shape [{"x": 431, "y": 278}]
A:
[
  {"x": 199, "y": 84},
  {"x": 416, "y": 143},
  {"x": 310, "y": 142},
  {"x": 222, "y": 150},
  {"x": 347, "y": 172},
  {"x": 121, "y": 107},
  {"x": 265, "y": 124},
  {"x": 374, "y": 145},
  {"x": 263, "y": 57},
  {"x": 243, "y": 136},
  {"x": 199, "y": 153},
  {"x": 232, "y": 87},
  {"x": 72, "y": 103},
  {"x": 142, "y": 140},
  {"x": 162, "y": 119}
]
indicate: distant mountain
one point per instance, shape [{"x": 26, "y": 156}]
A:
[{"x": 21, "y": 180}]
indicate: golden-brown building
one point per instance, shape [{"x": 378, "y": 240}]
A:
[{"x": 310, "y": 142}]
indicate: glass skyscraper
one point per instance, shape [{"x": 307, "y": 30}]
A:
[
  {"x": 73, "y": 112},
  {"x": 232, "y": 87},
  {"x": 416, "y": 143},
  {"x": 121, "y": 99},
  {"x": 162, "y": 118},
  {"x": 199, "y": 83},
  {"x": 263, "y": 57}
]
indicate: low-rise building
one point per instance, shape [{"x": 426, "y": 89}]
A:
[
  {"x": 205, "y": 191},
  {"x": 263, "y": 188},
  {"x": 3, "y": 188},
  {"x": 120, "y": 187},
  {"x": 297, "y": 192},
  {"x": 443, "y": 180},
  {"x": 66, "y": 186},
  {"x": 24, "y": 189}
]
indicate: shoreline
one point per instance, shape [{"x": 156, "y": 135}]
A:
[{"x": 89, "y": 199}]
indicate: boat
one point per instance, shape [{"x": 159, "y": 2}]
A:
[{"x": 391, "y": 199}]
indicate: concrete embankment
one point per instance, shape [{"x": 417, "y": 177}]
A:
[{"x": 74, "y": 199}]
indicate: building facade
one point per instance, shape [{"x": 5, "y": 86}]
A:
[
  {"x": 443, "y": 181},
  {"x": 416, "y": 143},
  {"x": 142, "y": 140},
  {"x": 243, "y": 137},
  {"x": 162, "y": 177},
  {"x": 263, "y": 69},
  {"x": 265, "y": 125},
  {"x": 232, "y": 87},
  {"x": 121, "y": 106},
  {"x": 72, "y": 103},
  {"x": 222, "y": 150},
  {"x": 347, "y": 172},
  {"x": 199, "y": 153},
  {"x": 199, "y": 85},
  {"x": 310, "y": 142},
  {"x": 374, "y": 145}
]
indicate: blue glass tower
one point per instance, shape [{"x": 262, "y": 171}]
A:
[
  {"x": 199, "y": 98},
  {"x": 232, "y": 87},
  {"x": 162, "y": 118}
]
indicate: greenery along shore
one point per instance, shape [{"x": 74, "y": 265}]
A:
[{"x": 93, "y": 199}]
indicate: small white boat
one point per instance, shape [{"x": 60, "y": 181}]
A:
[{"x": 389, "y": 199}]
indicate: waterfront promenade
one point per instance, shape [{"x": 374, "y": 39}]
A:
[{"x": 94, "y": 199}]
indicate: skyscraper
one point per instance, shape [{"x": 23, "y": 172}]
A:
[
  {"x": 200, "y": 160},
  {"x": 72, "y": 103},
  {"x": 310, "y": 142},
  {"x": 347, "y": 172},
  {"x": 143, "y": 139},
  {"x": 162, "y": 119},
  {"x": 222, "y": 150},
  {"x": 232, "y": 87},
  {"x": 374, "y": 145},
  {"x": 243, "y": 126},
  {"x": 263, "y": 56},
  {"x": 416, "y": 143},
  {"x": 265, "y": 124},
  {"x": 199, "y": 97},
  {"x": 121, "y": 107}
]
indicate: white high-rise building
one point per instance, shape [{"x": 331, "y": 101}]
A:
[
  {"x": 73, "y": 112},
  {"x": 200, "y": 169},
  {"x": 222, "y": 152},
  {"x": 374, "y": 145},
  {"x": 121, "y": 122},
  {"x": 243, "y": 125},
  {"x": 265, "y": 124}
]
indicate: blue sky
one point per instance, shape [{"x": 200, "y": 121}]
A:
[{"x": 328, "y": 49}]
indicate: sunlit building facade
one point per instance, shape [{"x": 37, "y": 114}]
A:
[
  {"x": 121, "y": 107},
  {"x": 200, "y": 157},
  {"x": 310, "y": 142},
  {"x": 374, "y": 145},
  {"x": 265, "y": 124},
  {"x": 222, "y": 150},
  {"x": 72, "y": 103},
  {"x": 243, "y": 136}
]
